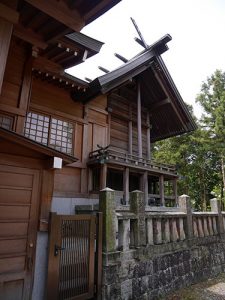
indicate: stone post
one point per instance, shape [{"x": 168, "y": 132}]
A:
[
  {"x": 184, "y": 203},
  {"x": 216, "y": 208},
  {"x": 137, "y": 206},
  {"x": 107, "y": 205}
]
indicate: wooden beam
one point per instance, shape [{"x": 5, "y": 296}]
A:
[
  {"x": 123, "y": 59},
  {"x": 9, "y": 14},
  {"x": 29, "y": 36},
  {"x": 59, "y": 11},
  {"x": 96, "y": 10},
  {"x": 57, "y": 35},
  {"x": 139, "y": 42},
  {"x": 5, "y": 38},
  {"x": 47, "y": 65},
  {"x": 103, "y": 69},
  {"x": 139, "y": 119},
  {"x": 158, "y": 104},
  {"x": 139, "y": 33}
]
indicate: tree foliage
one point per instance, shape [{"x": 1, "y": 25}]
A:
[{"x": 199, "y": 156}]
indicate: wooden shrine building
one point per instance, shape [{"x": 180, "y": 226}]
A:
[{"x": 63, "y": 139}]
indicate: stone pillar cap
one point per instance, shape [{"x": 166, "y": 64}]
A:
[
  {"x": 184, "y": 195},
  {"x": 107, "y": 190}
]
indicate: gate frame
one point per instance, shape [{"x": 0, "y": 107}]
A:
[{"x": 95, "y": 282}]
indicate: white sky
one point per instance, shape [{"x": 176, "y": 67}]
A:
[{"x": 197, "y": 48}]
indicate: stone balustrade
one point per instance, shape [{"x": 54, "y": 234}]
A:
[
  {"x": 137, "y": 225},
  {"x": 165, "y": 228},
  {"x": 149, "y": 251},
  {"x": 205, "y": 224}
]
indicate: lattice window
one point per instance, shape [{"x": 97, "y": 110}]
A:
[
  {"x": 6, "y": 122},
  {"x": 61, "y": 136},
  {"x": 37, "y": 128},
  {"x": 50, "y": 131}
]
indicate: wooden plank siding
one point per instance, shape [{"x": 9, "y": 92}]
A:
[{"x": 124, "y": 111}]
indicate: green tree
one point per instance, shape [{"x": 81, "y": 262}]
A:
[{"x": 212, "y": 100}]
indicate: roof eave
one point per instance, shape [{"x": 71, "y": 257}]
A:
[{"x": 27, "y": 143}]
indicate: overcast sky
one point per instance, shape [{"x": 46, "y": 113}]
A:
[{"x": 197, "y": 48}]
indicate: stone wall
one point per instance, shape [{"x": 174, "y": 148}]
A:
[
  {"x": 149, "y": 252},
  {"x": 143, "y": 274}
]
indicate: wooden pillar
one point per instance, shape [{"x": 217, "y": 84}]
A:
[
  {"x": 148, "y": 137},
  {"x": 8, "y": 17},
  {"x": 126, "y": 185},
  {"x": 145, "y": 186},
  {"x": 103, "y": 176},
  {"x": 25, "y": 93},
  {"x": 46, "y": 198},
  {"x": 175, "y": 190},
  {"x": 139, "y": 129},
  {"x": 130, "y": 142},
  {"x": 130, "y": 132},
  {"x": 5, "y": 38},
  {"x": 84, "y": 171},
  {"x": 161, "y": 190}
]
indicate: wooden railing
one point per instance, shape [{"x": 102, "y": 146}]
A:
[{"x": 110, "y": 155}]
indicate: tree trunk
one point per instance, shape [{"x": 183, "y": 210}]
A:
[{"x": 223, "y": 178}]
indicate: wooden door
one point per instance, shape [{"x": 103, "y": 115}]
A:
[
  {"x": 18, "y": 227},
  {"x": 75, "y": 257}
]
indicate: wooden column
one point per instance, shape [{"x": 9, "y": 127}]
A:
[
  {"x": 148, "y": 137},
  {"x": 126, "y": 185},
  {"x": 46, "y": 198},
  {"x": 145, "y": 186},
  {"x": 103, "y": 176},
  {"x": 130, "y": 138},
  {"x": 139, "y": 129},
  {"x": 130, "y": 132},
  {"x": 5, "y": 38},
  {"x": 161, "y": 190},
  {"x": 175, "y": 190},
  {"x": 8, "y": 17},
  {"x": 25, "y": 93},
  {"x": 84, "y": 173}
]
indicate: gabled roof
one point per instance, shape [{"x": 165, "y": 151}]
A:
[
  {"x": 30, "y": 144},
  {"x": 129, "y": 70},
  {"x": 159, "y": 95}
]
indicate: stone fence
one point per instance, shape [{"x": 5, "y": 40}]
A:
[{"x": 137, "y": 236}]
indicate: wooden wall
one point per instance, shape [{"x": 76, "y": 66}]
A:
[
  {"x": 124, "y": 111},
  {"x": 9, "y": 98},
  {"x": 90, "y": 121}
]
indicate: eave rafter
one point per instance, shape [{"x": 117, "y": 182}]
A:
[{"x": 61, "y": 80}]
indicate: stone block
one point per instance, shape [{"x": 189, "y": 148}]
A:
[{"x": 126, "y": 290}]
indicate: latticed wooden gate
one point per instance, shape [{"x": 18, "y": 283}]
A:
[{"x": 75, "y": 257}]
